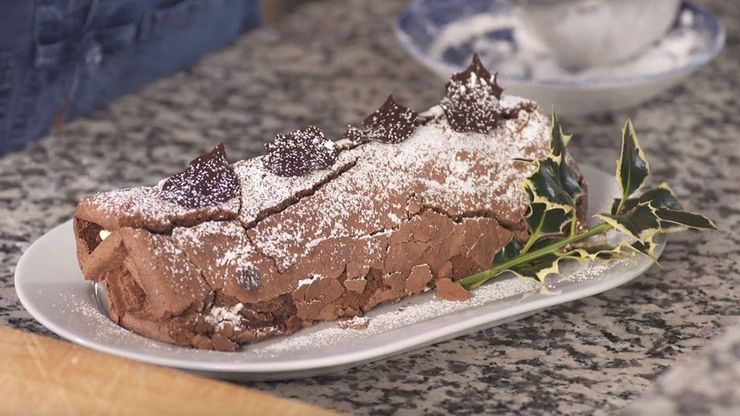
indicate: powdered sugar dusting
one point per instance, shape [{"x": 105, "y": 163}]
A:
[
  {"x": 263, "y": 190},
  {"x": 392, "y": 317},
  {"x": 356, "y": 323},
  {"x": 144, "y": 206},
  {"x": 503, "y": 293},
  {"x": 308, "y": 281},
  {"x": 458, "y": 173},
  {"x": 222, "y": 259},
  {"x": 220, "y": 315},
  {"x": 186, "y": 281}
]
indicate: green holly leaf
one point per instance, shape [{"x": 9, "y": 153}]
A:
[
  {"x": 558, "y": 140},
  {"x": 632, "y": 166},
  {"x": 570, "y": 182},
  {"x": 538, "y": 269},
  {"x": 552, "y": 189},
  {"x": 508, "y": 252},
  {"x": 602, "y": 252},
  {"x": 640, "y": 222},
  {"x": 616, "y": 206},
  {"x": 558, "y": 148},
  {"x": 647, "y": 248},
  {"x": 546, "y": 222},
  {"x": 685, "y": 219},
  {"x": 660, "y": 197},
  {"x": 546, "y": 187}
]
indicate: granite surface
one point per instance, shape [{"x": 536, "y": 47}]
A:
[{"x": 332, "y": 63}]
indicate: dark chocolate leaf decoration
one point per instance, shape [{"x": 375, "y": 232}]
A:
[
  {"x": 477, "y": 69},
  {"x": 355, "y": 135},
  {"x": 472, "y": 101},
  {"x": 391, "y": 123},
  {"x": 208, "y": 181},
  {"x": 632, "y": 166},
  {"x": 299, "y": 152}
]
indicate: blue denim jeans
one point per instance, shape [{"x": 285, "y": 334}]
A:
[{"x": 60, "y": 59}]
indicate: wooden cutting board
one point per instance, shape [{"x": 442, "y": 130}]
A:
[{"x": 43, "y": 376}]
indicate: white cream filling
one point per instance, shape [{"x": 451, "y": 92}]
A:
[{"x": 104, "y": 234}]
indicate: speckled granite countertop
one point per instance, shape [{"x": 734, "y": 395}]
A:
[{"x": 332, "y": 63}]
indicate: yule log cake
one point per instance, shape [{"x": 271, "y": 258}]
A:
[{"x": 222, "y": 254}]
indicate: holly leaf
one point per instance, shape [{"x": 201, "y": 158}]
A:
[
  {"x": 647, "y": 248},
  {"x": 552, "y": 188},
  {"x": 570, "y": 182},
  {"x": 558, "y": 145},
  {"x": 602, "y": 252},
  {"x": 558, "y": 140},
  {"x": 538, "y": 269},
  {"x": 685, "y": 219},
  {"x": 660, "y": 197},
  {"x": 508, "y": 252},
  {"x": 545, "y": 222},
  {"x": 546, "y": 185},
  {"x": 640, "y": 222},
  {"x": 632, "y": 166}
]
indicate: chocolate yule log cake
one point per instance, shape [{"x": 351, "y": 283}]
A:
[{"x": 222, "y": 254}]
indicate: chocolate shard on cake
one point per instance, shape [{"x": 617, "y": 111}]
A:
[
  {"x": 299, "y": 152},
  {"x": 355, "y": 136},
  {"x": 473, "y": 99},
  {"x": 391, "y": 123},
  {"x": 221, "y": 255},
  {"x": 207, "y": 189},
  {"x": 208, "y": 181}
]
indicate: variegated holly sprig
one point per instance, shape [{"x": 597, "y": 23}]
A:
[{"x": 553, "y": 192}]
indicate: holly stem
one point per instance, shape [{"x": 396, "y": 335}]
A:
[
  {"x": 532, "y": 239},
  {"x": 475, "y": 280},
  {"x": 574, "y": 224}
]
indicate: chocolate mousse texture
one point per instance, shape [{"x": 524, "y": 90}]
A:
[{"x": 222, "y": 255}]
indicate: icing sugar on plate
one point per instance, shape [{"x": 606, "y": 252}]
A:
[{"x": 421, "y": 308}]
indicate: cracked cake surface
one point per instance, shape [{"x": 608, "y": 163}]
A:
[{"x": 315, "y": 231}]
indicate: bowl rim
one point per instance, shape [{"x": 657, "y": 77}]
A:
[{"x": 700, "y": 60}]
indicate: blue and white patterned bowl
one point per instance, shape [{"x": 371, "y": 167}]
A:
[{"x": 422, "y": 29}]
